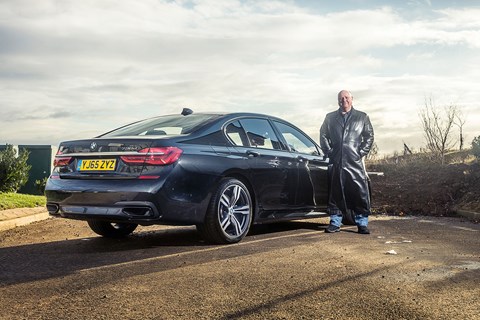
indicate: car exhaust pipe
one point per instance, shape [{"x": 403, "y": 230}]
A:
[
  {"x": 138, "y": 211},
  {"x": 52, "y": 208}
]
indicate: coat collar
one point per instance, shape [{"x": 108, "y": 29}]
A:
[{"x": 339, "y": 117}]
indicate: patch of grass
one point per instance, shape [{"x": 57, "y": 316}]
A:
[{"x": 18, "y": 200}]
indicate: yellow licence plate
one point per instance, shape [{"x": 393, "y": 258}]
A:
[{"x": 96, "y": 165}]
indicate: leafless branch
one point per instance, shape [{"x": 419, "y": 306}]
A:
[{"x": 437, "y": 128}]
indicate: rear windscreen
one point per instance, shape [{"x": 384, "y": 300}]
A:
[{"x": 164, "y": 125}]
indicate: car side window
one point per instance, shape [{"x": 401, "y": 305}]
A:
[
  {"x": 236, "y": 134},
  {"x": 296, "y": 140},
  {"x": 260, "y": 134}
]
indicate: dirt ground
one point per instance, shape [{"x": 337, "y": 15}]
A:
[
  {"x": 408, "y": 268},
  {"x": 425, "y": 188}
]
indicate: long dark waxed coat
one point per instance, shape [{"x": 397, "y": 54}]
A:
[{"x": 346, "y": 144}]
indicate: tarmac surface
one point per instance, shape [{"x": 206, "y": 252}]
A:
[{"x": 425, "y": 268}]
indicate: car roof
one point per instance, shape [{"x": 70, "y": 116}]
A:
[{"x": 235, "y": 114}]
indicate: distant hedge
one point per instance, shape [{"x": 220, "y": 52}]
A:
[{"x": 14, "y": 169}]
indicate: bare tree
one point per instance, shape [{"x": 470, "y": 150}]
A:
[
  {"x": 459, "y": 122},
  {"x": 437, "y": 127}
]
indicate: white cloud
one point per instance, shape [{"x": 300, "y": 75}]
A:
[{"x": 83, "y": 67}]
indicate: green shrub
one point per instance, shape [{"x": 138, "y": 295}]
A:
[
  {"x": 13, "y": 170},
  {"x": 476, "y": 147}
]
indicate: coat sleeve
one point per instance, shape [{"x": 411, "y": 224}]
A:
[
  {"x": 325, "y": 141},
  {"x": 367, "y": 137}
]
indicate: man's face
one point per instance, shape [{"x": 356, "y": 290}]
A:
[{"x": 345, "y": 101}]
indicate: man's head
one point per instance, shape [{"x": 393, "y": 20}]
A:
[{"x": 345, "y": 100}]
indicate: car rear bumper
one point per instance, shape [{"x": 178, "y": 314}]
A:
[
  {"x": 143, "y": 202},
  {"x": 141, "y": 212}
]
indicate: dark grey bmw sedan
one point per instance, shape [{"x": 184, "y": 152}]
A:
[{"x": 220, "y": 172}]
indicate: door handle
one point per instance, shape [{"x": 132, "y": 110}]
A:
[{"x": 251, "y": 153}]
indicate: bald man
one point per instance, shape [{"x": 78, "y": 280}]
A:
[{"x": 346, "y": 137}]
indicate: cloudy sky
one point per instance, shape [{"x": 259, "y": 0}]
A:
[{"x": 72, "y": 69}]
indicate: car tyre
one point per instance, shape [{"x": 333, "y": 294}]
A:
[
  {"x": 110, "y": 229},
  {"x": 229, "y": 214}
]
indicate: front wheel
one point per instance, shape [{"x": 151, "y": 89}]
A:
[
  {"x": 229, "y": 213},
  {"x": 110, "y": 229}
]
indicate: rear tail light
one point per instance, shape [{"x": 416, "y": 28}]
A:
[
  {"x": 60, "y": 161},
  {"x": 154, "y": 156}
]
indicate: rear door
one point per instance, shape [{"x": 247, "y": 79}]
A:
[{"x": 273, "y": 169}]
